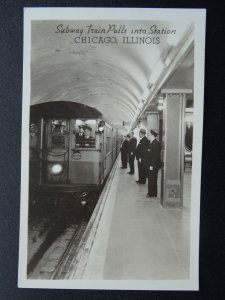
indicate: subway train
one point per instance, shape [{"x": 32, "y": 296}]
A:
[{"x": 72, "y": 150}]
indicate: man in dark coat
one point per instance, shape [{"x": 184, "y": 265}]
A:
[
  {"x": 87, "y": 133},
  {"x": 124, "y": 152},
  {"x": 154, "y": 163},
  {"x": 132, "y": 149},
  {"x": 80, "y": 134},
  {"x": 140, "y": 152}
]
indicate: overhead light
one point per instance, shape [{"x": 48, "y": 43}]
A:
[
  {"x": 160, "y": 100},
  {"x": 152, "y": 87},
  {"x": 160, "y": 103},
  {"x": 168, "y": 60}
]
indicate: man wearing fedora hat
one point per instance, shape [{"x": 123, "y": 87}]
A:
[
  {"x": 154, "y": 163},
  {"x": 80, "y": 134},
  {"x": 87, "y": 133},
  {"x": 124, "y": 151},
  {"x": 140, "y": 153},
  {"x": 132, "y": 149}
]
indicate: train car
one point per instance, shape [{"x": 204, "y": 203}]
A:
[{"x": 72, "y": 150}]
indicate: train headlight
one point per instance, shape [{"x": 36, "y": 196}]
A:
[{"x": 56, "y": 169}]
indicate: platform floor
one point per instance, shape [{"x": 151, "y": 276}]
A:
[{"x": 135, "y": 237}]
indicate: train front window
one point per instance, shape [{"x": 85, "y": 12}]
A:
[
  {"x": 85, "y": 133},
  {"x": 58, "y": 131}
]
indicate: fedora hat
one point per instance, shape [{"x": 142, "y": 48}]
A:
[
  {"x": 153, "y": 132},
  {"x": 143, "y": 131}
]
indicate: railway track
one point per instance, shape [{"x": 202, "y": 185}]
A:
[
  {"x": 53, "y": 242},
  {"x": 56, "y": 260},
  {"x": 69, "y": 253}
]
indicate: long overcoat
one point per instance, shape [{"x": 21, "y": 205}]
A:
[{"x": 142, "y": 148}]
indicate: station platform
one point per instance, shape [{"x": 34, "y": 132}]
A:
[{"x": 133, "y": 237}]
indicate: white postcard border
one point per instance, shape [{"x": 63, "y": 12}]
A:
[{"x": 196, "y": 15}]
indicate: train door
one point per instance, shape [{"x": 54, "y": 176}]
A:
[
  {"x": 85, "y": 153},
  {"x": 102, "y": 157},
  {"x": 103, "y": 154},
  {"x": 113, "y": 145},
  {"x": 55, "y": 152}
]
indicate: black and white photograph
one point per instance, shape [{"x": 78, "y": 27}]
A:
[{"x": 111, "y": 148}]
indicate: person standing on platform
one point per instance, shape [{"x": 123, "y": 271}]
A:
[
  {"x": 124, "y": 152},
  {"x": 140, "y": 153},
  {"x": 154, "y": 163},
  {"x": 132, "y": 150}
]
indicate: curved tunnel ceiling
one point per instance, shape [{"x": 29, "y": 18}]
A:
[{"x": 109, "y": 77}]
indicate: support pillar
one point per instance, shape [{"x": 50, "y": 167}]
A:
[
  {"x": 173, "y": 131},
  {"x": 152, "y": 121}
]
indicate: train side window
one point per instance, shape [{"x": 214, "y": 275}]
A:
[
  {"x": 108, "y": 140},
  {"x": 85, "y": 135},
  {"x": 114, "y": 140}
]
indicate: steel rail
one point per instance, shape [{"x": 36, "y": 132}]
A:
[{"x": 65, "y": 257}]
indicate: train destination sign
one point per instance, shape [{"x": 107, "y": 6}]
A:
[{"x": 111, "y": 148}]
